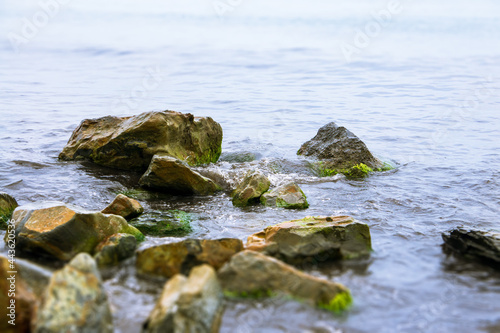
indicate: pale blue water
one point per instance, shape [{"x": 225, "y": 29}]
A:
[{"x": 423, "y": 92}]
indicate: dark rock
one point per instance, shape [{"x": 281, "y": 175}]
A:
[
  {"x": 130, "y": 143},
  {"x": 169, "y": 174},
  {"x": 114, "y": 249},
  {"x": 340, "y": 148},
  {"x": 238, "y": 157},
  {"x": 164, "y": 223},
  {"x": 474, "y": 244},
  {"x": 169, "y": 259},
  {"x": 7, "y": 206}
]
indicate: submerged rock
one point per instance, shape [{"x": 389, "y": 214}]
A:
[
  {"x": 249, "y": 273},
  {"x": 192, "y": 304},
  {"x": 130, "y": 142},
  {"x": 17, "y": 302},
  {"x": 169, "y": 174},
  {"x": 62, "y": 231},
  {"x": 250, "y": 189},
  {"x": 114, "y": 249},
  {"x": 125, "y": 207},
  {"x": 339, "y": 148},
  {"x": 474, "y": 244},
  {"x": 287, "y": 196},
  {"x": 75, "y": 300},
  {"x": 169, "y": 259},
  {"x": 7, "y": 206},
  {"x": 313, "y": 239},
  {"x": 164, "y": 223},
  {"x": 238, "y": 157}
]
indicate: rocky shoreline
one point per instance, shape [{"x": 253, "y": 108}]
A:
[{"x": 198, "y": 273}]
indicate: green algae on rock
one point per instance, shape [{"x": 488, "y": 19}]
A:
[
  {"x": 130, "y": 143},
  {"x": 314, "y": 239},
  {"x": 164, "y": 223},
  {"x": 289, "y": 196},
  {"x": 250, "y": 189},
  {"x": 7, "y": 206}
]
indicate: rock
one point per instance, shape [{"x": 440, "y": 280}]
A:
[
  {"x": 164, "y": 223},
  {"x": 340, "y": 148},
  {"x": 250, "y": 273},
  {"x": 7, "y": 206},
  {"x": 129, "y": 143},
  {"x": 17, "y": 302},
  {"x": 313, "y": 239},
  {"x": 169, "y": 174},
  {"x": 36, "y": 276},
  {"x": 114, "y": 249},
  {"x": 190, "y": 304},
  {"x": 169, "y": 259},
  {"x": 250, "y": 189},
  {"x": 474, "y": 244},
  {"x": 62, "y": 231},
  {"x": 125, "y": 207},
  {"x": 238, "y": 157},
  {"x": 75, "y": 300},
  {"x": 286, "y": 196}
]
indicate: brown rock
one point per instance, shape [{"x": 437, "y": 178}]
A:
[
  {"x": 125, "y": 207},
  {"x": 250, "y": 273},
  {"x": 313, "y": 239},
  {"x": 130, "y": 142},
  {"x": 169, "y": 174},
  {"x": 169, "y": 259},
  {"x": 13, "y": 287},
  {"x": 114, "y": 249},
  {"x": 248, "y": 192}
]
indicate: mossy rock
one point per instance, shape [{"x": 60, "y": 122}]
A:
[
  {"x": 7, "y": 206},
  {"x": 341, "y": 302},
  {"x": 164, "y": 223},
  {"x": 242, "y": 157},
  {"x": 357, "y": 171}
]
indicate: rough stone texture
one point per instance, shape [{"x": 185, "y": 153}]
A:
[
  {"x": 125, "y": 207},
  {"x": 130, "y": 142},
  {"x": 251, "y": 273},
  {"x": 475, "y": 244},
  {"x": 75, "y": 300},
  {"x": 340, "y": 147},
  {"x": 190, "y": 304},
  {"x": 114, "y": 249},
  {"x": 238, "y": 157},
  {"x": 62, "y": 231},
  {"x": 169, "y": 259},
  {"x": 169, "y": 174},
  {"x": 287, "y": 196},
  {"x": 164, "y": 223},
  {"x": 313, "y": 239},
  {"x": 250, "y": 189},
  {"x": 7, "y": 206},
  {"x": 25, "y": 301}
]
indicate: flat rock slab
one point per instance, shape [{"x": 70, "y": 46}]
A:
[
  {"x": 313, "y": 239},
  {"x": 129, "y": 143},
  {"x": 169, "y": 259},
  {"x": 475, "y": 244}
]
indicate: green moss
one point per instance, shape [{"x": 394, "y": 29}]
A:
[
  {"x": 341, "y": 302},
  {"x": 386, "y": 167},
  {"x": 209, "y": 156},
  {"x": 139, "y": 236},
  {"x": 164, "y": 223},
  {"x": 360, "y": 170},
  {"x": 254, "y": 294}
]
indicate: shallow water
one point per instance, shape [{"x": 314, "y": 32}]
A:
[{"x": 424, "y": 95}]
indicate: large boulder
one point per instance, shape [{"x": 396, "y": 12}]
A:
[
  {"x": 474, "y": 244},
  {"x": 192, "y": 304},
  {"x": 250, "y": 189},
  {"x": 125, "y": 207},
  {"x": 340, "y": 149},
  {"x": 169, "y": 259},
  {"x": 114, "y": 249},
  {"x": 313, "y": 239},
  {"x": 75, "y": 300},
  {"x": 7, "y": 206},
  {"x": 17, "y": 302},
  {"x": 130, "y": 142},
  {"x": 288, "y": 196},
  {"x": 250, "y": 273},
  {"x": 166, "y": 173},
  {"x": 62, "y": 231}
]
